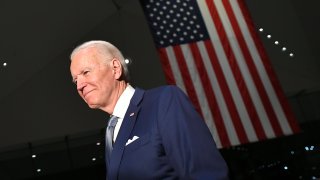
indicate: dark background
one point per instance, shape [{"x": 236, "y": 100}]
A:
[{"x": 41, "y": 113}]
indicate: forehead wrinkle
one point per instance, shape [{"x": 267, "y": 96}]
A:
[{"x": 88, "y": 58}]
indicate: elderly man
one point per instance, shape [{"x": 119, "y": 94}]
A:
[{"x": 153, "y": 134}]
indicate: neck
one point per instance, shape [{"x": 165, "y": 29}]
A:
[{"x": 119, "y": 89}]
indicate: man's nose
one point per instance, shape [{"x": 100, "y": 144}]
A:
[{"x": 80, "y": 84}]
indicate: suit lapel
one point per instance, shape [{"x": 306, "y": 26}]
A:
[{"x": 124, "y": 133}]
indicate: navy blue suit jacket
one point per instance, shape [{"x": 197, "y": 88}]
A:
[{"x": 174, "y": 141}]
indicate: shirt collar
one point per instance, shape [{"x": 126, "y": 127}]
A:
[{"x": 123, "y": 102}]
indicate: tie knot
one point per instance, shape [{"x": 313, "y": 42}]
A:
[{"x": 113, "y": 121}]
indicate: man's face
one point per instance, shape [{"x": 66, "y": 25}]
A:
[{"x": 94, "y": 77}]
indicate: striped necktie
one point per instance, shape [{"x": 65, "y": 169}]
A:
[{"x": 109, "y": 135}]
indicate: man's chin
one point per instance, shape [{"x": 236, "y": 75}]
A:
[
  {"x": 93, "y": 106},
  {"x": 91, "y": 103}
]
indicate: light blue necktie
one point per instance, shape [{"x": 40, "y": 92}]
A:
[{"x": 109, "y": 135}]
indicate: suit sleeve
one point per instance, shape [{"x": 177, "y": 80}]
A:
[{"x": 187, "y": 141}]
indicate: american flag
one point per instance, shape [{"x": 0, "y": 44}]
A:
[{"x": 210, "y": 49}]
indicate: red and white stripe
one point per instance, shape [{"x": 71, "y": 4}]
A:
[{"x": 229, "y": 78}]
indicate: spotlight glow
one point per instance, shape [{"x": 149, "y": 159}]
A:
[
  {"x": 127, "y": 61},
  {"x": 291, "y": 55},
  {"x": 292, "y": 152},
  {"x": 269, "y": 36},
  {"x": 311, "y": 148}
]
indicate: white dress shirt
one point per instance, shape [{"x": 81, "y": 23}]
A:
[{"x": 121, "y": 108}]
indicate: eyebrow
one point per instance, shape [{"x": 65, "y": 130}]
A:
[{"x": 82, "y": 71}]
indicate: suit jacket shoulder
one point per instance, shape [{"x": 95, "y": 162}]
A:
[{"x": 167, "y": 139}]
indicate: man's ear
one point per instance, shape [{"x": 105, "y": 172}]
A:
[{"x": 116, "y": 68}]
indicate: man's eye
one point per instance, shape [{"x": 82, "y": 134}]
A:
[
  {"x": 74, "y": 81},
  {"x": 85, "y": 72}
]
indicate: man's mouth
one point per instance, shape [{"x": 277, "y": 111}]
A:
[{"x": 86, "y": 93}]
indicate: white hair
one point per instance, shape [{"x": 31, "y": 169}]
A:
[{"x": 105, "y": 48}]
